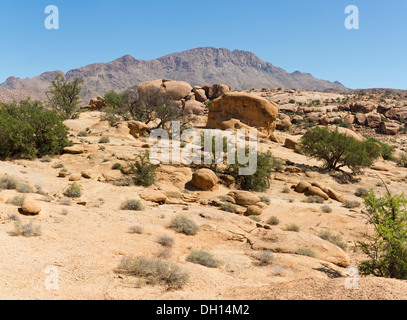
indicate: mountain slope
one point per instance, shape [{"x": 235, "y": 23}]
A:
[{"x": 240, "y": 69}]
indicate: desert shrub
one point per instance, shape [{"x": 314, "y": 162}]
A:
[
  {"x": 402, "y": 160},
  {"x": 73, "y": 191},
  {"x": 265, "y": 199},
  {"x": 26, "y": 229},
  {"x": 337, "y": 121},
  {"x": 326, "y": 209},
  {"x": 16, "y": 201},
  {"x": 64, "y": 96},
  {"x": 46, "y": 158},
  {"x": 65, "y": 202},
  {"x": 255, "y": 218},
  {"x": 142, "y": 171},
  {"x": 265, "y": 257},
  {"x": 29, "y": 130},
  {"x": 260, "y": 180},
  {"x": 338, "y": 150},
  {"x": 336, "y": 240},
  {"x": 155, "y": 271},
  {"x": 362, "y": 192},
  {"x": 82, "y": 134},
  {"x": 386, "y": 247},
  {"x": 13, "y": 216},
  {"x": 182, "y": 224},
  {"x": 8, "y": 183},
  {"x": 132, "y": 204},
  {"x": 203, "y": 258},
  {"x": 229, "y": 207},
  {"x": 286, "y": 190},
  {"x": 351, "y": 204},
  {"x": 24, "y": 188},
  {"x": 305, "y": 252},
  {"x": 59, "y": 165},
  {"x": 124, "y": 182},
  {"x": 386, "y": 150},
  {"x": 314, "y": 199},
  {"x": 165, "y": 240},
  {"x": 293, "y": 227},
  {"x": 116, "y": 166},
  {"x": 273, "y": 221},
  {"x": 104, "y": 139},
  {"x": 136, "y": 229}
]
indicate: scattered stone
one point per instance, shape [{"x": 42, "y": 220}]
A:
[
  {"x": 244, "y": 198},
  {"x": 204, "y": 179},
  {"x": 30, "y": 206},
  {"x": 76, "y": 149}
]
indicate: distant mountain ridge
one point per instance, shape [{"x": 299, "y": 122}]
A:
[{"x": 241, "y": 69}]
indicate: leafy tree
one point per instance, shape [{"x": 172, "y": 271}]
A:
[
  {"x": 338, "y": 150},
  {"x": 64, "y": 96},
  {"x": 386, "y": 248},
  {"x": 29, "y": 130}
]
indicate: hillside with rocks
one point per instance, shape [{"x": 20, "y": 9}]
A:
[
  {"x": 294, "y": 240},
  {"x": 240, "y": 69}
]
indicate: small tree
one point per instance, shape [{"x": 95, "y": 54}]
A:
[
  {"x": 64, "y": 96},
  {"x": 338, "y": 150},
  {"x": 28, "y": 130},
  {"x": 386, "y": 248}
]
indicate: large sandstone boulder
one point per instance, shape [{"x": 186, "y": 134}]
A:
[
  {"x": 389, "y": 128},
  {"x": 348, "y": 132},
  {"x": 135, "y": 128},
  {"x": 216, "y": 90},
  {"x": 235, "y": 110},
  {"x": 373, "y": 120},
  {"x": 194, "y": 107},
  {"x": 200, "y": 94},
  {"x": 362, "y": 106},
  {"x": 176, "y": 90},
  {"x": 95, "y": 104},
  {"x": 30, "y": 206},
  {"x": 244, "y": 198},
  {"x": 204, "y": 179}
]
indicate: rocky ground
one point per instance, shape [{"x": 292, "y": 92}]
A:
[{"x": 87, "y": 237}]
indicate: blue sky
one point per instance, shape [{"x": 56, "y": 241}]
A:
[{"x": 304, "y": 35}]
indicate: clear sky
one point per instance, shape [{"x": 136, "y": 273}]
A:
[{"x": 305, "y": 35}]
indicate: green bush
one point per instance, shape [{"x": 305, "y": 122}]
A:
[
  {"x": 338, "y": 150},
  {"x": 260, "y": 180},
  {"x": 351, "y": 204},
  {"x": 184, "y": 225},
  {"x": 104, "y": 139},
  {"x": 155, "y": 271},
  {"x": 28, "y": 130},
  {"x": 386, "y": 247},
  {"x": 142, "y": 171},
  {"x": 132, "y": 204},
  {"x": 203, "y": 258},
  {"x": 386, "y": 150},
  {"x": 166, "y": 241},
  {"x": 326, "y": 209},
  {"x": 362, "y": 192},
  {"x": 73, "y": 191},
  {"x": 64, "y": 96}
]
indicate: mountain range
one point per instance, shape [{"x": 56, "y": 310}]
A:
[{"x": 241, "y": 69}]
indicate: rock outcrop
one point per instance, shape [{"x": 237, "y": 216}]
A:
[{"x": 236, "y": 110}]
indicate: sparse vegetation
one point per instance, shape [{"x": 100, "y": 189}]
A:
[
  {"x": 8, "y": 183},
  {"x": 203, "y": 258},
  {"x": 351, "y": 204},
  {"x": 24, "y": 188},
  {"x": 104, "y": 139},
  {"x": 362, "y": 192},
  {"x": 182, "y": 224},
  {"x": 16, "y": 201},
  {"x": 255, "y": 218},
  {"x": 229, "y": 207},
  {"x": 273, "y": 221},
  {"x": 155, "y": 271},
  {"x": 293, "y": 227},
  {"x": 326, "y": 209},
  {"x": 166, "y": 241},
  {"x": 73, "y": 191},
  {"x": 313, "y": 199},
  {"x": 336, "y": 240},
  {"x": 142, "y": 171},
  {"x": 306, "y": 252},
  {"x": 132, "y": 204},
  {"x": 265, "y": 257},
  {"x": 136, "y": 229},
  {"x": 26, "y": 229},
  {"x": 265, "y": 199}
]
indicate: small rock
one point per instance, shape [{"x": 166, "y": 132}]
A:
[{"x": 30, "y": 206}]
